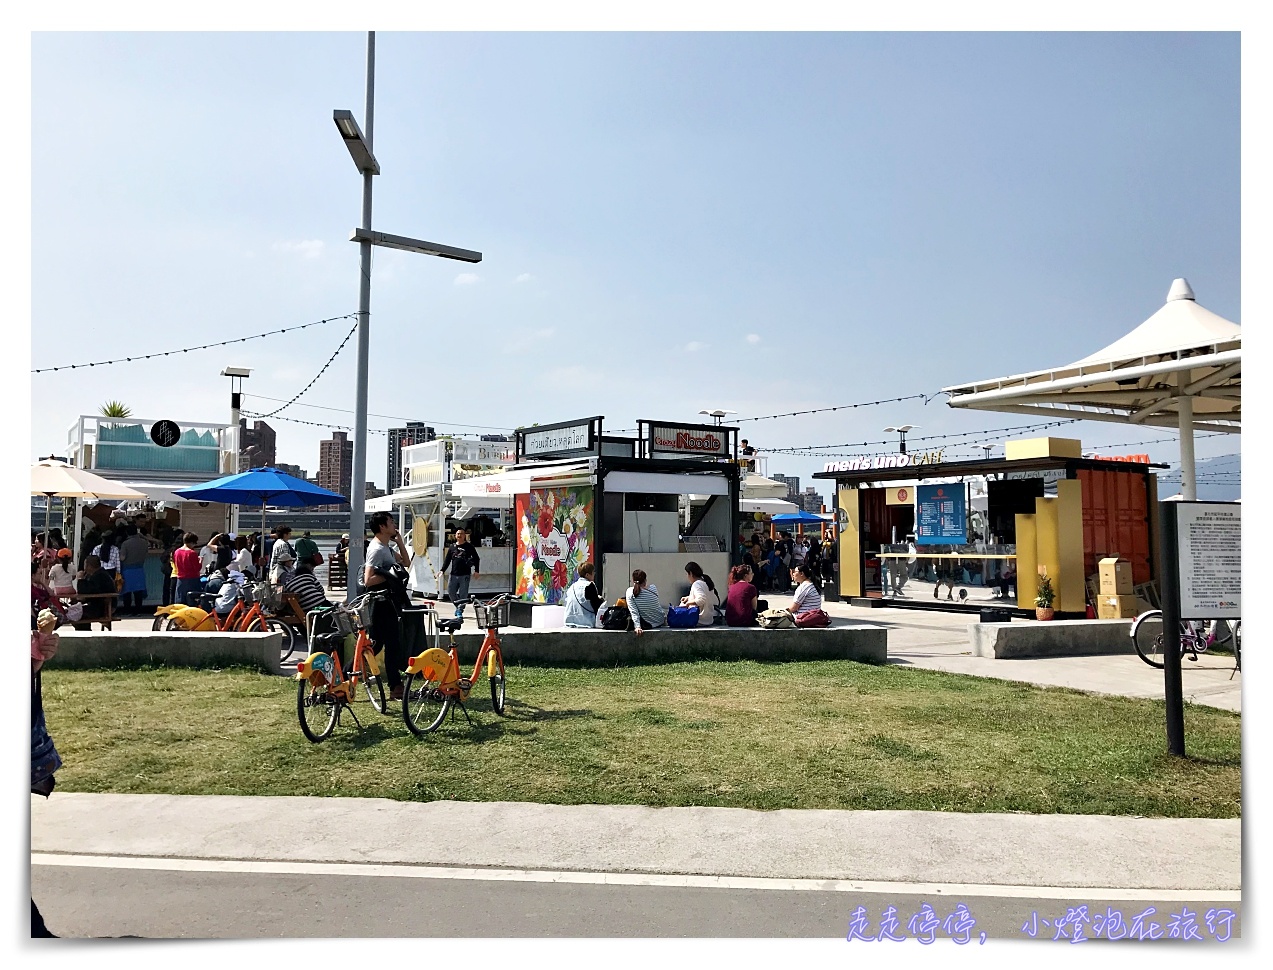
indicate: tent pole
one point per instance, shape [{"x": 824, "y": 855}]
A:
[
  {"x": 266, "y": 568},
  {"x": 1188, "y": 484},
  {"x": 48, "y": 506}
]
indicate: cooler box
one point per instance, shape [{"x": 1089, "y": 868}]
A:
[
  {"x": 1115, "y": 577},
  {"x": 1115, "y": 607},
  {"x": 548, "y": 618}
]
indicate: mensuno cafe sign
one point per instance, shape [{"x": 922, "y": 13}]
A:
[{"x": 869, "y": 462}]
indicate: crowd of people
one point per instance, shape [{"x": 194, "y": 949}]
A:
[{"x": 773, "y": 561}]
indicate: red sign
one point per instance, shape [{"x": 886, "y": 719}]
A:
[{"x": 686, "y": 441}]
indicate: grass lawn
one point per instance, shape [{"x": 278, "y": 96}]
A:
[{"x": 826, "y": 734}]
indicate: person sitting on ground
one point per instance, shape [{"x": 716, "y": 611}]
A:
[
  {"x": 582, "y": 600},
  {"x": 741, "y": 601},
  {"x": 94, "y": 579},
  {"x": 700, "y": 594},
  {"x": 807, "y": 596},
  {"x": 644, "y": 607},
  {"x": 304, "y": 585}
]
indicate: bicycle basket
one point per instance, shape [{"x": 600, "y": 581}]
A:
[
  {"x": 334, "y": 622},
  {"x": 491, "y": 617},
  {"x": 365, "y": 607},
  {"x": 270, "y": 597}
]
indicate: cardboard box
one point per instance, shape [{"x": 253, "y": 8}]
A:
[
  {"x": 1115, "y": 607},
  {"x": 1043, "y": 448},
  {"x": 1115, "y": 577}
]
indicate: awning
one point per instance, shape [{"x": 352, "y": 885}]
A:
[
  {"x": 659, "y": 483},
  {"x": 518, "y": 481},
  {"x": 159, "y": 491},
  {"x": 767, "y": 506}
]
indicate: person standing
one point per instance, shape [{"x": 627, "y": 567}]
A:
[
  {"x": 185, "y": 561},
  {"x": 132, "y": 566},
  {"x": 282, "y": 555},
  {"x": 386, "y": 550},
  {"x": 307, "y": 551},
  {"x": 463, "y": 561},
  {"x": 242, "y": 560}
]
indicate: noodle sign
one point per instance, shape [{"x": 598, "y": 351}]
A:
[{"x": 666, "y": 439}]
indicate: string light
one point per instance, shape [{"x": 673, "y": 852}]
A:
[
  {"x": 321, "y": 371},
  {"x": 392, "y": 417},
  {"x": 187, "y": 350}
]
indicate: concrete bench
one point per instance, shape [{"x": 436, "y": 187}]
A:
[
  {"x": 844, "y": 641},
  {"x": 83, "y": 649},
  {"x": 1055, "y": 638}
]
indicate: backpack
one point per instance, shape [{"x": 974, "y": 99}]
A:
[
  {"x": 813, "y": 618},
  {"x": 776, "y": 620},
  {"x": 681, "y": 617},
  {"x": 615, "y": 618}
]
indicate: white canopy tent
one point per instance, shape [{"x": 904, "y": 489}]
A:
[{"x": 1181, "y": 368}]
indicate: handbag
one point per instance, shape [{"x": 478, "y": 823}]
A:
[
  {"x": 681, "y": 617},
  {"x": 119, "y": 582},
  {"x": 316, "y": 559},
  {"x": 812, "y": 618},
  {"x": 776, "y": 620}
]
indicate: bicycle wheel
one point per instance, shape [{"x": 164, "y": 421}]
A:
[
  {"x": 374, "y": 685},
  {"x": 1147, "y": 637},
  {"x": 158, "y": 623},
  {"x": 1237, "y": 644},
  {"x": 423, "y": 704},
  {"x": 316, "y": 710},
  {"x": 496, "y": 677},
  {"x": 289, "y": 636}
]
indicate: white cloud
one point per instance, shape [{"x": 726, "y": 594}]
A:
[
  {"x": 753, "y": 338},
  {"x": 523, "y": 278},
  {"x": 308, "y": 248},
  {"x": 465, "y": 279}
]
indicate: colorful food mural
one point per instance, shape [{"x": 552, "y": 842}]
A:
[{"x": 554, "y": 538}]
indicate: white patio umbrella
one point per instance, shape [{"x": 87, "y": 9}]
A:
[
  {"x": 51, "y": 477},
  {"x": 1181, "y": 368}
]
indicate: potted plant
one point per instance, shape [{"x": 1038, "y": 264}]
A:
[{"x": 1043, "y": 598}]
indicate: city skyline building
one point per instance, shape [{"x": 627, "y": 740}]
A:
[
  {"x": 256, "y": 445},
  {"x": 415, "y": 433},
  {"x": 336, "y": 467}
]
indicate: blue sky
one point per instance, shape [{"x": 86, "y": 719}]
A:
[{"x": 755, "y": 221}]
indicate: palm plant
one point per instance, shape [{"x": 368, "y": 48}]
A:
[{"x": 115, "y": 409}]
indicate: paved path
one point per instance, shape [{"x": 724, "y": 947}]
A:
[{"x": 268, "y": 866}]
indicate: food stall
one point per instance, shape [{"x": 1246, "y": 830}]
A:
[
  {"x": 980, "y": 531},
  {"x": 436, "y": 507},
  {"x": 579, "y": 496}
]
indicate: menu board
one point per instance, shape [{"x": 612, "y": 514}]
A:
[
  {"x": 941, "y": 514},
  {"x": 1209, "y": 553}
]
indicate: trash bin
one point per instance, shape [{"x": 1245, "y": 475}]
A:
[
  {"x": 995, "y": 616},
  {"x": 831, "y": 590}
]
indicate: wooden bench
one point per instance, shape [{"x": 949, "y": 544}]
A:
[{"x": 106, "y": 620}]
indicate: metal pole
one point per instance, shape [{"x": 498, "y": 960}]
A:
[
  {"x": 1172, "y": 686},
  {"x": 1188, "y": 483},
  {"x": 357, "y": 520},
  {"x": 238, "y": 448}
]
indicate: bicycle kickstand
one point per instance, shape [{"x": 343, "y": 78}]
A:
[
  {"x": 463, "y": 710},
  {"x": 350, "y": 709}
]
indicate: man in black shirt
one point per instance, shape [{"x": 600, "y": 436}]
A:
[{"x": 463, "y": 561}]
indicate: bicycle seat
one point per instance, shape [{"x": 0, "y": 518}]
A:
[{"x": 450, "y": 625}]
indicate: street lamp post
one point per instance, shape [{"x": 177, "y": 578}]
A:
[
  {"x": 360, "y": 149},
  {"x": 236, "y": 375},
  {"x": 901, "y": 429}
]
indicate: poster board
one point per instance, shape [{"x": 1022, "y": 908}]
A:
[
  {"x": 555, "y": 527},
  {"x": 1209, "y": 557},
  {"x": 941, "y": 514}
]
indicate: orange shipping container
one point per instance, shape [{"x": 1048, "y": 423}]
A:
[{"x": 1116, "y": 520}]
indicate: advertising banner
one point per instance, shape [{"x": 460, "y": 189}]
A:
[
  {"x": 941, "y": 514},
  {"x": 554, "y": 538},
  {"x": 690, "y": 441}
]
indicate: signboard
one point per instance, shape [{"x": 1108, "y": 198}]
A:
[
  {"x": 1209, "y": 554},
  {"x": 861, "y": 463},
  {"x": 569, "y": 439},
  {"x": 900, "y": 496},
  {"x": 483, "y": 452},
  {"x": 165, "y": 433},
  {"x": 555, "y": 532},
  {"x": 427, "y": 473},
  {"x": 695, "y": 441},
  {"x": 941, "y": 514}
]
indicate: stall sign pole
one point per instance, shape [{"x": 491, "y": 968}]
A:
[{"x": 1172, "y": 684}]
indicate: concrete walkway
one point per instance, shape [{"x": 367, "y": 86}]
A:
[{"x": 983, "y": 850}]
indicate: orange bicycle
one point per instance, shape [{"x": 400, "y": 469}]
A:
[
  {"x": 434, "y": 685},
  {"x": 324, "y": 686}
]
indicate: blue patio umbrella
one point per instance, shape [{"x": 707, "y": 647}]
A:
[
  {"x": 800, "y": 518},
  {"x": 265, "y": 485}
]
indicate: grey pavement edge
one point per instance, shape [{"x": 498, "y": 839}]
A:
[{"x": 924, "y": 847}]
